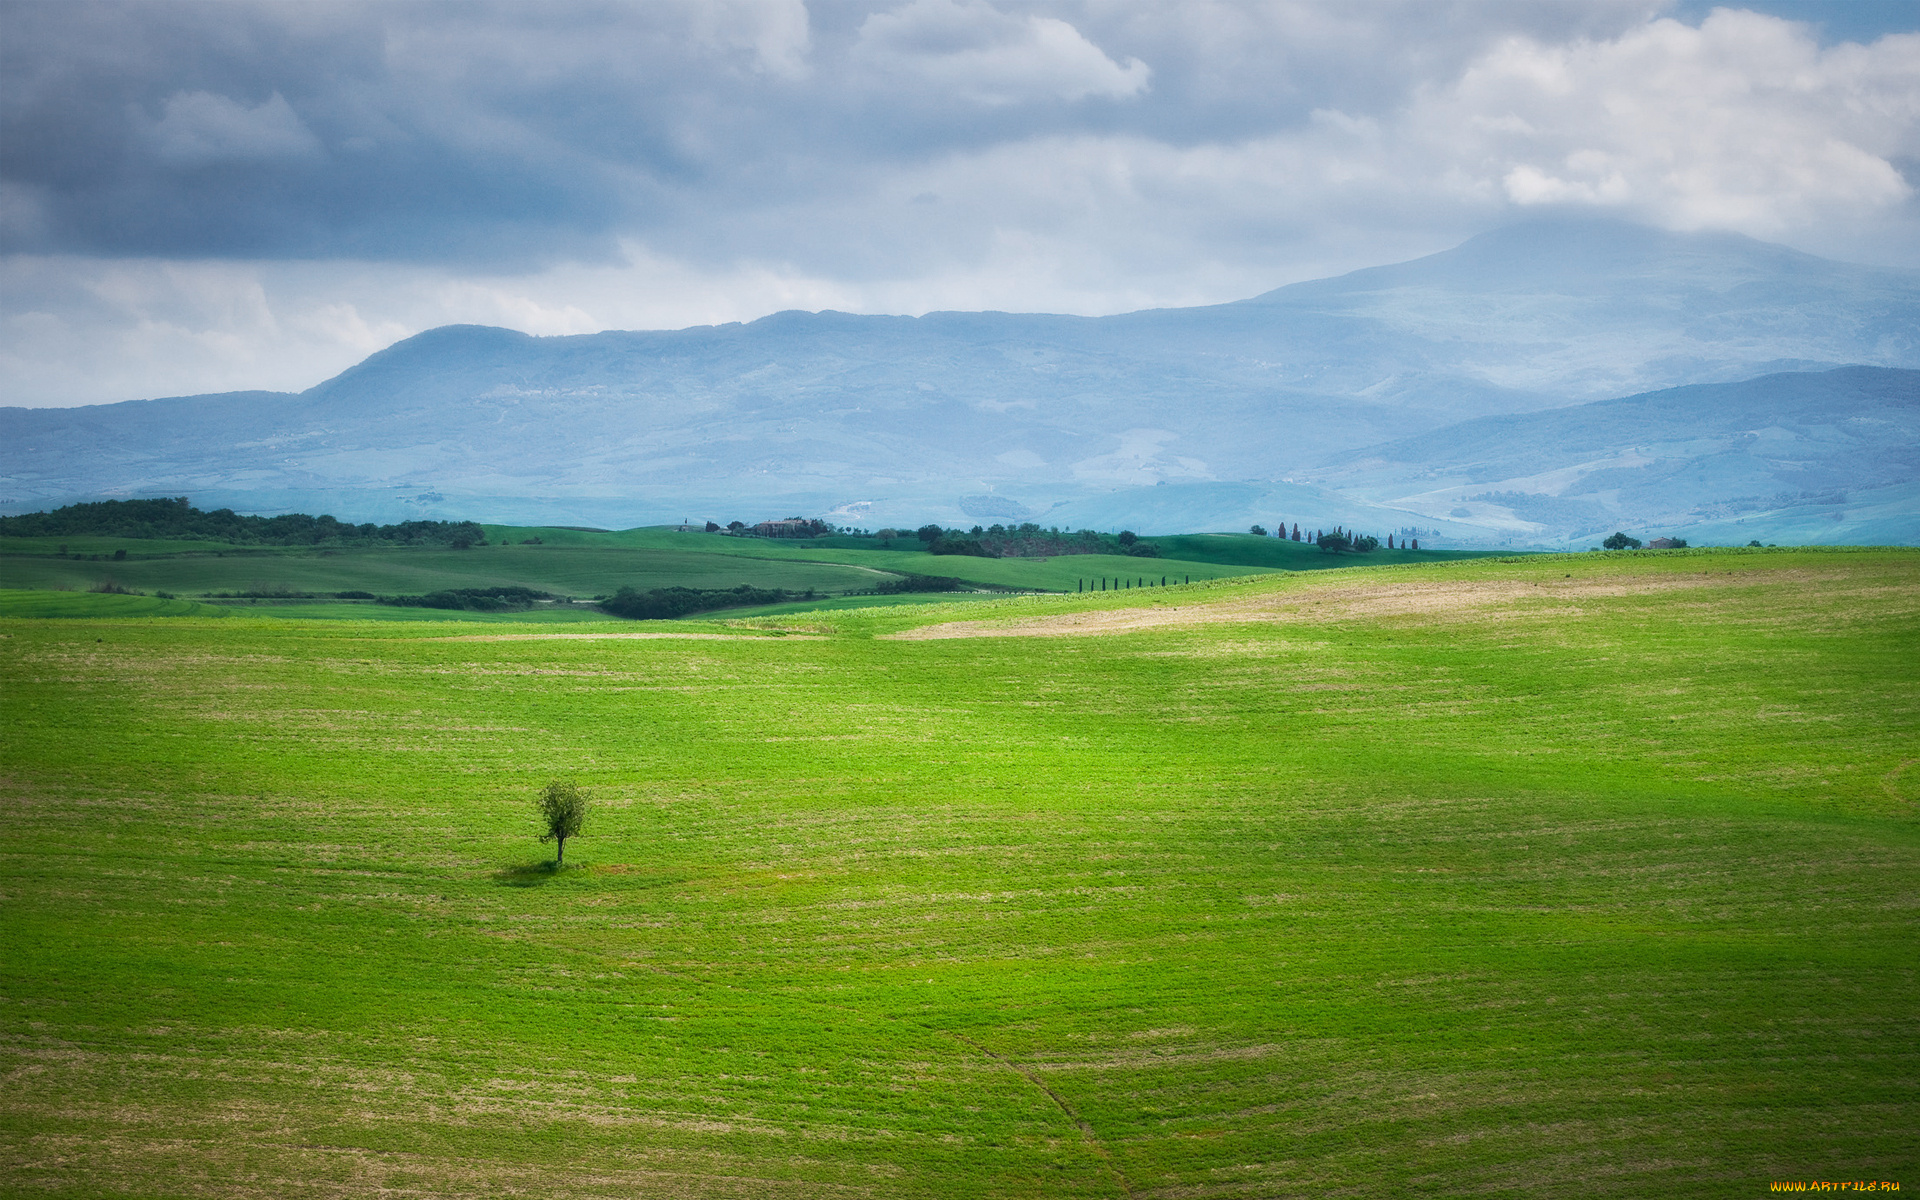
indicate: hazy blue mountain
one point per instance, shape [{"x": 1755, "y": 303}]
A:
[
  {"x": 1168, "y": 414},
  {"x": 1832, "y": 456}
]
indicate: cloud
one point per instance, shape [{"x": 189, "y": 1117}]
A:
[
  {"x": 371, "y": 169},
  {"x": 200, "y": 128},
  {"x": 89, "y": 330},
  {"x": 778, "y": 32},
  {"x": 1742, "y": 123},
  {"x": 972, "y": 51}
]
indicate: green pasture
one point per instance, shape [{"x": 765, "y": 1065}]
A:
[
  {"x": 565, "y": 562},
  {"x": 33, "y": 604},
  {"x": 89, "y": 545},
  {"x": 917, "y": 600},
  {"x": 98, "y": 605},
  {"x": 566, "y": 570},
  {"x": 368, "y": 610},
  {"x": 1565, "y": 876},
  {"x": 1062, "y": 573},
  {"x": 1202, "y": 555},
  {"x": 1059, "y": 573}
]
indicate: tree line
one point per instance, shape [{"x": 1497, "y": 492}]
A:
[
  {"x": 1023, "y": 541},
  {"x": 1338, "y": 540},
  {"x": 667, "y": 603},
  {"x": 177, "y": 519},
  {"x": 1026, "y": 540}
]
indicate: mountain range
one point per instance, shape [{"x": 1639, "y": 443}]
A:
[{"x": 1536, "y": 385}]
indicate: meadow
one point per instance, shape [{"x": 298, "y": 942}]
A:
[
  {"x": 1579, "y": 875},
  {"x": 585, "y": 563}
]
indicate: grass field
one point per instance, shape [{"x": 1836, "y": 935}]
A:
[
  {"x": 582, "y": 564},
  {"x": 1567, "y": 876},
  {"x": 566, "y": 570},
  {"x": 100, "y": 605}
]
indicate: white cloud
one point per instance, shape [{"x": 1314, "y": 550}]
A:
[
  {"x": 88, "y": 331},
  {"x": 973, "y": 51},
  {"x": 1743, "y": 123}
]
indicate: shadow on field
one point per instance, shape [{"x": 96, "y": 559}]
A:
[
  {"x": 534, "y": 874},
  {"x": 539, "y": 874}
]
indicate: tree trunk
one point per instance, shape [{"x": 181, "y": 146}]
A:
[{"x": 560, "y": 855}]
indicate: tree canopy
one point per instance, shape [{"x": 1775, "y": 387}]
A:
[
  {"x": 176, "y": 518},
  {"x": 563, "y": 810}
]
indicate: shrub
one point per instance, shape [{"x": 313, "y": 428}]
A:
[
  {"x": 493, "y": 599},
  {"x": 917, "y": 583},
  {"x": 664, "y": 604}
]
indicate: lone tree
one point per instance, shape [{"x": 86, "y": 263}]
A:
[
  {"x": 1620, "y": 541},
  {"x": 563, "y": 809}
]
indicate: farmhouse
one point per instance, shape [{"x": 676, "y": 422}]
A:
[
  {"x": 1661, "y": 544},
  {"x": 791, "y": 527}
]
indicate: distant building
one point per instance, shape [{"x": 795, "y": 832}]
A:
[
  {"x": 792, "y": 527},
  {"x": 1662, "y": 544}
]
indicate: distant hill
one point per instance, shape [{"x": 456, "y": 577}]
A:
[
  {"x": 1194, "y": 417},
  {"x": 1807, "y": 457}
]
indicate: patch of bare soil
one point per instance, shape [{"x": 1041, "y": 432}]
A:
[{"x": 1434, "y": 598}]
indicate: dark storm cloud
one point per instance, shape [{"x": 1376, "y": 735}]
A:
[{"x": 387, "y": 131}]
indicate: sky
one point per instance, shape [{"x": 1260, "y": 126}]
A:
[{"x": 203, "y": 197}]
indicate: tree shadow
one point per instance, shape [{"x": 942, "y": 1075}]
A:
[{"x": 533, "y": 874}]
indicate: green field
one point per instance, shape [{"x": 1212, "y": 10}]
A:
[
  {"x": 566, "y": 570},
  {"x": 97, "y": 605},
  {"x": 1561, "y": 876},
  {"x": 584, "y": 564}
]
